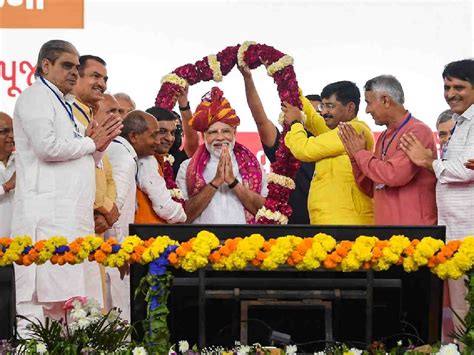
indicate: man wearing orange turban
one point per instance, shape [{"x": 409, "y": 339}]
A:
[{"x": 223, "y": 182}]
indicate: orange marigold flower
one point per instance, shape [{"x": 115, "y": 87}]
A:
[
  {"x": 225, "y": 251},
  {"x": 26, "y": 261},
  {"x": 432, "y": 262},
  {"x": 329, "y": 264},
  {"x": 366, "y": 265},
  {"x": 54, "y": 259},
  {"x": 260, "y": 255},
  {"x": 214, "y": 257},
  {"x": 40, "y": 245},
  {"x": 106, "y": 247},
  {"x": 100, "y": 256},
  {"x": 173, "y": 258},
  {"x": 256, "y": 262},
  {"x": 70, "y": 258}
]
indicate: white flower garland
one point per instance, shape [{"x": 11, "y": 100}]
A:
[
  {"x": 274, "y": 216},
  {"x": 241, "y": 53},
  {"x": 174, "y": 79},
  {"x": 176, "y": 193},
  {"x": 215, "y": 66},
  {"x": 280, "y": 64},
  {"x": 168, "y": 158},
  {"x": 281, "y": 180}
]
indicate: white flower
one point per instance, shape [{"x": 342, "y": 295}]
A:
[
  {"x": 83, "y": 323},
  {"x": 241, "y": 53},
  {"x": 215, "y": 66},
  {"x": 183, "y": 346},
  {"x": 168, "y": 158},
  {"x": 41, "y": 348},
  {"x": 281, "y": 118},
  {"x": 274, "y": 216},
  {"x": 174, "y": 79},
  {"x": 355, "y": 351},
  {"x": 280, "y": 64},
  {"x": 78, "y": 313},
  {"x": 243, "y": 350},
  {"x": 449, "y": 349},
  {"x": 176, "y": 193},
  {"x": 139, "y": 351},
  {"x": 319, "y": 353},
  {"x": 291, "y": 349},
  {"x": 281, "y": 180}
]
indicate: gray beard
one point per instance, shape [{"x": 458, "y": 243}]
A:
[{"x": 216, "y": 153}]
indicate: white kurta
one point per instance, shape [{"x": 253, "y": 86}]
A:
[
  {"x": 455, "y": 185},
  {"x": 55, "y": 190},
  {"x": 6, "y": 199},
  {"x": 123, "y": 159},
  {"x": 154, "y": 186},
  {"x": 224, "y": 207}
]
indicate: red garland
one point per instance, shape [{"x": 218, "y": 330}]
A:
[
  {"x": 287, "y": 85},
  {"x": 170, "y": 182}
]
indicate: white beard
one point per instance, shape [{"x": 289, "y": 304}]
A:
[{"x": 216, "y": 152}]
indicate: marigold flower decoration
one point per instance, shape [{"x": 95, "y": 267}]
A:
[
  {"x": 450, "y": 260},
  {"x": 280, "y": 67}
]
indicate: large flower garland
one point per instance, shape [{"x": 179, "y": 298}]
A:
[
  {"x": 280, "y": 67},
  {"x": 450, "y": 260}
]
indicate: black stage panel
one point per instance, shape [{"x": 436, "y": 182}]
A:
[{"x": 402, "y": 302}]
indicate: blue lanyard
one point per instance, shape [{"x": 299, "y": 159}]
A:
[
  {"x": 134, "y": 158},
  {"x": 82, "y": 112},
  {"x": 385, "y": 149},
  {"x": 66, "y": 106}
]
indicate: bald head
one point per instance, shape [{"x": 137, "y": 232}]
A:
[
  {"x": 5, "y": 117},
  {"x": 7, "y": 144},
  {"x": 141, "y": 130},
  {"x": 107, "y": 107}
]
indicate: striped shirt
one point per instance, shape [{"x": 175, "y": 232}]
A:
[{"x": 455, "y": 186}]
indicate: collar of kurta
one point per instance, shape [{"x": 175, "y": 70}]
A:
[
  {"x": 68, "y": 97},
  {"x": 467, "y": 115},
  {"x": 87, "y": 110},
  {"x": 10, "y": 160},
  {"x": 127, "y": 145}
]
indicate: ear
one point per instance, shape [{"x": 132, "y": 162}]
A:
[
  {"x": 386, "y": 100},
  {"x": 351, "y": 108},
  {"x": 45, "y": 66},
  {"x": 133, "y": 137}
]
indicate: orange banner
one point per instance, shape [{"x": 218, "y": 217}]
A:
[{"x": 41, "y": 13}]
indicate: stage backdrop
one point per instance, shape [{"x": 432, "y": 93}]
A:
[{"x": 330, "y": 40}]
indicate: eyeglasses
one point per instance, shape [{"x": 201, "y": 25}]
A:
[
  {"x": 6, "y": 131},
  {"x": 328, "y": 107},
  {"x": 215, "y": 132}
]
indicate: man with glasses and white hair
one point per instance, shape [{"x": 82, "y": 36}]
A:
[
  {"x": 55, "y": 187},
  {"x": 223, "y": 182},
  {"x": 334, "y": 197},
  {"x": 404, "y": 194}
]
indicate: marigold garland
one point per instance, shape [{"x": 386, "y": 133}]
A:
[{"x": 450, "y": 260}]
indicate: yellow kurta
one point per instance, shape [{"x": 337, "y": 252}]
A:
[
  {"x": 106, "y": 191},
  {"x": 334, "y": 197}
]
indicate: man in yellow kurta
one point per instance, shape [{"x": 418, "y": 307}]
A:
[
  {"x": 89, "y": 92},
  {"x": 334, "y": 197}
]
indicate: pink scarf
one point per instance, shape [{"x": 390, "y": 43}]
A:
[{"x": 249, "y": 169}]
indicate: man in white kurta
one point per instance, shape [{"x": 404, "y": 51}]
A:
[
  {"x": 55, "y": 185},
  {"x": 138, "y": 139},
  {"x": 7, "y": 173},
  {"x": 455, "y": 185}
]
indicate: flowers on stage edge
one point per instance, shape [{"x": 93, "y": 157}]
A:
[
  {"x": 446, "y": 261},
  {"x": 213, "y": 67}
]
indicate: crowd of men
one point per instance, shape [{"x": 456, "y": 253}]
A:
[{"x": 82, "y": 161}]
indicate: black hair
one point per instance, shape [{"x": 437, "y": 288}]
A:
[
  {"x": 313, "y": 97},
  {"x": 345, "y": 91},
  {"x": 461, "y": 69},
  {"x": 161, "y": 114},
  {"x": 83, "y": 62}
]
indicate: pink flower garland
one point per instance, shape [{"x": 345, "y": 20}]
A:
[{"x": 255, "y": 55}]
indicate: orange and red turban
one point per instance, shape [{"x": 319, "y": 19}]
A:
[{"x": 214, "y": 108}]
